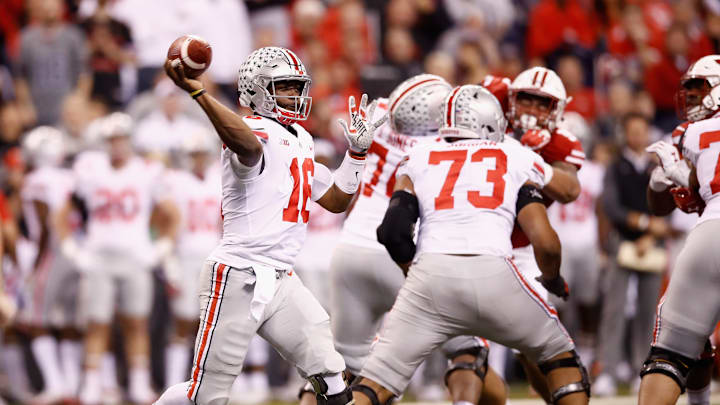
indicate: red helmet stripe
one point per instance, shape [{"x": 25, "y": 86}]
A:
[
  {"x": 295, "y": 61},
  {"x": 542, "y": 83},
  {"x": 392, "y": 107},
  {"x": 450, "y": 107},
  {"x": 535, "y": 77}
]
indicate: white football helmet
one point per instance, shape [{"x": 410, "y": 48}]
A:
[
  {"x": 115, "y": 124},
  {"x": 44, "y": 146},
  {"x": 706, "y": 68},
  {"x": 471, "y": 111},
  {"x": 416, "y": 105},
  {"x": 256, "y": 84},
  {"x": 542, "y": 82}
]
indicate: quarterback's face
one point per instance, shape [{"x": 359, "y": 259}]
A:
[
  {"x": 534, "y": 105},
  {"x": 285, "y": 91}
]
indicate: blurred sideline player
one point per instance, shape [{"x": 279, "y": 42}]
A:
[
  {"x": 119, "y": 191},
  {"x": 323, "y": 234},
  {"x": 534, "y": 103},
  {"x": 53, "y": 288},
  {"x": 576, "y": 224},
  {"x": 681, "y": 355},
  {"x": 194, "y": 192},
  {"x": 268, "y": 175},
  {"x": 467, "y": 190},
  {"x": 364, "y": 291}
]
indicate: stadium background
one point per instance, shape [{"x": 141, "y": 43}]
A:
[{"x": 617, "y": 58}]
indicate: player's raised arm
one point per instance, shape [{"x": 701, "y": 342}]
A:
[
  {"x": 564, "y": 186},
  {"x": 396, "y": 230},
  {"x": 359, "y": 134},
  {"x": 532, "y": 218},
  {"x": 233, "y": 131}
]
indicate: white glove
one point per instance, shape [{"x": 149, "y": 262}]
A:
[
  {"x": 675, "y": 169},
  {"x": 659, "y": 181},
  {"x": 72, "y": 251},
  {"x": 361, "y": 131}
]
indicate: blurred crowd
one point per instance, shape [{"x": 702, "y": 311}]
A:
[{"x": 68, "y": 64}]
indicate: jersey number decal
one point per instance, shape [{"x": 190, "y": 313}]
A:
[
  {"x": 445, "y": 199},
  {"x": 123, "y": 205},
  {"x": 291, "y": 213},
  {"x": 381, "y": 153},
  {"x": 706, "y": 139}
]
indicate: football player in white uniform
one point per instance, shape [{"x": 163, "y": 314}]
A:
[
  {"x": 195, "y": 192},
  {"x": 468, "y": 189},
  {"x": 363, "y": 292},
  {"x": 118, "y": 189},
  {"x": 689, "y": 178},
  {"x": 268, "y": 174},
  {"x": 53, "y": 287}
]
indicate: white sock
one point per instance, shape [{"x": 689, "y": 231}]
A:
[
  {"x": 139, "y": 380},
  {"x": 45, "y": 350},
  {"x": 177, "y": 356},
  {"x": 699, "y": 397},
  {"x": 71, "y": 353},
  {"x": 108, "y": 371},
  {"x": 14, "y": 363},
  {"x": 258, "y": 380},
  {"x": 92, "y": 386},
  {"x": 335, "y": 383},
  {"x": 463, "y": 403}
]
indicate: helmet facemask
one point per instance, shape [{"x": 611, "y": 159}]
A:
[
  {"x": 285, "y": 108},
  {"x": 694, "y": 101},
  {"x": 531, "y": 110}
]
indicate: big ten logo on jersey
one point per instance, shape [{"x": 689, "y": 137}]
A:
[
  {"x": 203, "y": 215},
  {"x": 302, "y": 180},
  {"x": 492, "y": 166},
  {"x": 112, "y": 205},
  {"x": 579, "y": 210}
]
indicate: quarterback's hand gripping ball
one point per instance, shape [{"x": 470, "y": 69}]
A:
[
  {"x": 536, "y": 139},
  {"x": 360, "y": 131},
  {"x": 556, "y": 286},
  {"x": 193, "y": 52}
]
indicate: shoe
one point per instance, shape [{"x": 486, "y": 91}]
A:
[
  {"x": 604, "y": 386},
  {"x": 91, "y": 394}
]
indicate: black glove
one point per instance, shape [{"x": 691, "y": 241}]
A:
[{"x": 557, "y": 286}]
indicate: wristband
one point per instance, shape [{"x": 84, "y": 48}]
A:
[
  {"x": 549, "y": 171},
  {"x": 347, "y": 176},
  {"x": 197, "y": 93}
]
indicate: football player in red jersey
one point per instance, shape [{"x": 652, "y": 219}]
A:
[
  {"x": 534, "y": 103},
  {"x": 697, "y": 101}
]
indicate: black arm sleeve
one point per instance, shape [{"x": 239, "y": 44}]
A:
[
  {"x": 395, "y": 231},
  {"x": 528, "y": 194}
]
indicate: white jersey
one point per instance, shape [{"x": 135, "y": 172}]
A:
[
  {"x": 701, "y": 145},
  {"x": 265, "y": 209},
  {"x": 198, "y": 200},
  {"x": 576, "y": 223},
  {"x": 386, "y": 152},
  {"x": 119, "y": 202},
  {"x": 467, "y": 191},
  {"x": 51, "y": 186}
]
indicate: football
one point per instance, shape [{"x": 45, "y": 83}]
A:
[{"x": 194, "y": 53}]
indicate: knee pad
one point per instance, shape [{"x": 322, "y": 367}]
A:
[
  {"x": 567, "y": 389},
  {"x": 671, "y": 364},
  {"x": 479, "y": 366},
  {"x": 320, "y": 389},
  {"x": 370, "y": 393}
]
